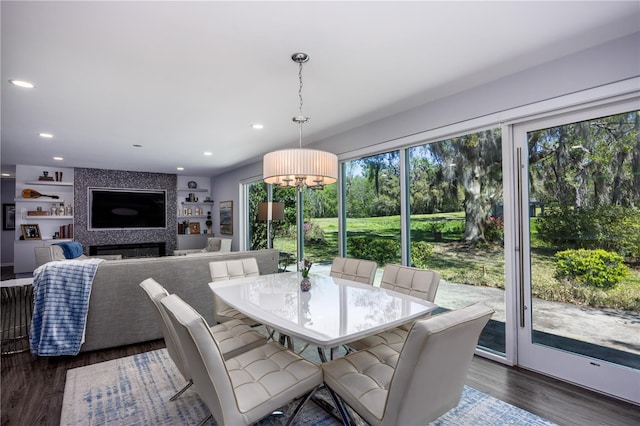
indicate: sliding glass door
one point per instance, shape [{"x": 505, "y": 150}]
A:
[{"x": 578, "y": 215}]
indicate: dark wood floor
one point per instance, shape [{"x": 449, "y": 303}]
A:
[{"x": 33, "y": 389}]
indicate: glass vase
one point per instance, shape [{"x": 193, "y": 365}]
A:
[{"x": 305, "y": 284}]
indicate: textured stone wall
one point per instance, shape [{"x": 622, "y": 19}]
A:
[{"x": 85, "y": 178}]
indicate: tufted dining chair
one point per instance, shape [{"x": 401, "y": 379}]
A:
[
  {"x": 233, "y": 337},
  {"x": 228, "y": 270},
  {"x": 362, "y": 271},
  {"x": 416, "y": 385},
  {"x": 421, "y": 283},
  {"x": 244, "y": 389}
]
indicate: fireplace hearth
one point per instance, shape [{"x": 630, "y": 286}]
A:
[{"x": 130, "y": 250}]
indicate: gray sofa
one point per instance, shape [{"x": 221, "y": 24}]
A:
[{"x": 119, "y": 311}]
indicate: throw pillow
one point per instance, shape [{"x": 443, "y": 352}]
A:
[{"x": 71, "y": 250}]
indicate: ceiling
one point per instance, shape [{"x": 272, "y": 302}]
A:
[{"x": 183, "y": 78}]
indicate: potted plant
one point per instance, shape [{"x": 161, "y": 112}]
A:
[{"x": 305, "y": 267}]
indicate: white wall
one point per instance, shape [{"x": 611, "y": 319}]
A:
[
  {"x": 604, "y": 64},
  {"x": 608, "y": 63}
]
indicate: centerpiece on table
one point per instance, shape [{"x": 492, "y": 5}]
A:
[{"x": 304, "y": 266}]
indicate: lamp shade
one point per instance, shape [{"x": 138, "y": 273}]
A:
[
  {"x": 270, "y": 211},
  {"x": 300, "y": 167}
]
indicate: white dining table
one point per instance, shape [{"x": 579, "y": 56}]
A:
[{"x": 334, "y": 312}]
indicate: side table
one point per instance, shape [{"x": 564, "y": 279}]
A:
[{"x": 15, "y": 318}]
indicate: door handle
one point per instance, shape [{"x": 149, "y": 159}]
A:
[{"x": 522, "y": 307}]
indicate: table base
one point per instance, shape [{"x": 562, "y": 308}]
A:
[{"x": 17, "y": 308}]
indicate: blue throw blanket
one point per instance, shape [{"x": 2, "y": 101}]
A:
[
  {"x": 60, "y": 304},
  {"x": 71, "y": 250}
]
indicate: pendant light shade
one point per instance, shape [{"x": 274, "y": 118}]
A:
[{"x": 300, "y": 167}]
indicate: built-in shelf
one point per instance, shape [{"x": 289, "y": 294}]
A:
[
  {"x": 61, "y": 240},
  {"x": 39, "y": 200},
  {"x": 49, "y": 217},
  {"x": 193, "y": 190},
  {"x": 192, "y": 203},
  {"x": 48, "y": 183},
  {"x": 186, "y": 205},
  {"x": 27, "y": 178}
]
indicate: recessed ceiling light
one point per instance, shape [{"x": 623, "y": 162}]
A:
[
  {"x": 21, "y": 83},
  {"x": 179, "y": 168},
  {"x": 208, "y": 153},
  {"x": 45, "y": 135},
  {"x": 257, "y": 126},
  {"x": 6, "y": 174},
  {"x": 58, "y": 158}
]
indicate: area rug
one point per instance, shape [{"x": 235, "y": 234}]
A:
[{"x": 135, "y": 391}]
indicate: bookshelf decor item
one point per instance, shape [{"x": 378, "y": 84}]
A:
[
  {"x": 31, "y": 231},
  {"x": 194, "y": 227},
  {"x": 45, "y": 177}
]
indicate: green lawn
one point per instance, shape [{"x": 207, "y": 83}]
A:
[{"x": 459, "y": 263}]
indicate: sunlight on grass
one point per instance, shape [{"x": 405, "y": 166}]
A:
[{"x": 480, "y": 266}]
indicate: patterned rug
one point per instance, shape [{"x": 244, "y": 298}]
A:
[{"x": 135, "y": 391}]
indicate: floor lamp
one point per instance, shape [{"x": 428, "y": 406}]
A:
[{"x": 270, "y": 211}]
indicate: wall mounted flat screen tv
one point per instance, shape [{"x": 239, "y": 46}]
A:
[{"x": 115, "y": 208}]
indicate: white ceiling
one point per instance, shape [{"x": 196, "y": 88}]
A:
[{"x": 182, "y": 78}]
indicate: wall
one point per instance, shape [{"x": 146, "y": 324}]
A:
[
  {"x": 611, "y": 62},
  {"x": 7, "y": 192},
  {"x": 85, "y": 178},
  {"x": 226, "y": 187},
  {"x": 605, "y": 64}
]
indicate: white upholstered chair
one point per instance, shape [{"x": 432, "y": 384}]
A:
[
  {"x": 244, "y": 389},
  {"x": 416, "y": 385},
  {"x": 233, "y": 337},
  {"x": 214, "y": 245},
  {"x": 362, "y": 271},
  {"x": 421, "y": 283},
  {"x": 227, "y": 270}
]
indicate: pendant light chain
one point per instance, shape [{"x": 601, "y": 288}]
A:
[
  {"x": 300, "y": 116},
  {"x": 300, "y": 89},
  {"x": 300, "y": 119}
]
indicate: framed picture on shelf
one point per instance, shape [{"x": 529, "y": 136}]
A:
[
  {"x": 226, "y": 217},
  {"x": 31, "y": 231},
  {"x": 8, "y": 217},
  {"x": 194, "y": 227}
]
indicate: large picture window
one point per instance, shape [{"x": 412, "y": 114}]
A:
[
  {"x": 372, "y": 206},
  {"x": 456, "y": 223}
]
